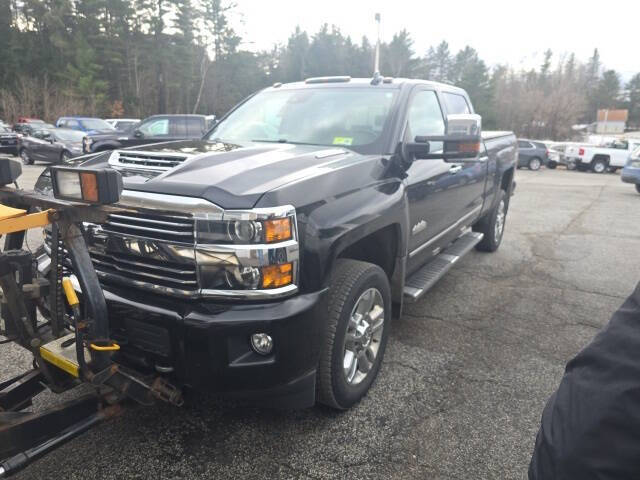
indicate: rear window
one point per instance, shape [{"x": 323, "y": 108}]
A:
[
  {"x": 195, "y": 127},
  {"x": 456, "y": 104},
  {"x": 178, "y": 127}
]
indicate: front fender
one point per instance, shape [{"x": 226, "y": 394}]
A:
[
  {"x": 101, "y": 146},
  {"x": 331, "y": 227}
]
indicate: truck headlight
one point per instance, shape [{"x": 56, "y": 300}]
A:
[
  {"x": 243, "y": 231},
  {"x": 247, "y": 250}
]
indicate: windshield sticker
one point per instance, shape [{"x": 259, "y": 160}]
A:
[{"x": 342, "y": 140}]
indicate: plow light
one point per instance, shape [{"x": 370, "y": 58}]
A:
[
  {"x": 10, "y": 170},
  {"x": 101, "y": 186}
]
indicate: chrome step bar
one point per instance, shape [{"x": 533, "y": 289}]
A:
[{"x": 421, "y": 281}]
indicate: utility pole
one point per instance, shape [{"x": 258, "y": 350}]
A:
[{"x": 376, "y": 64}]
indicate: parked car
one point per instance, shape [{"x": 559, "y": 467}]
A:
[
  {"x": 122, "y": 124},
  {"x": 599, "y": 159},
  {"x": 57, "y": 145},
  {"x": 631, "y": 171},
  {"x": 158, "y": 128},
  {"x": 268, "y": 258},
  {"x": 532, "y": 154},
  {"x": 85, "y": 124},
  {"x": 8, "y": 141},
  {"x": 27, "y": 128}
]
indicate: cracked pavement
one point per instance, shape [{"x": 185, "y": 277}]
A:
[{"x": 466, "y": 374}]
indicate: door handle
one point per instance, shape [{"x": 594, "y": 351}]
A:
[{"x": 455, "y": 169}]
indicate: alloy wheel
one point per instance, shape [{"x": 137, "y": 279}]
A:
[
  {"x": 363, "y": 337},
  {"x": 534, "y": 164},
  {"x": 25, "y": 157}
]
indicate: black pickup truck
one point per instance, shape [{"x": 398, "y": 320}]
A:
[
  {"x": 157, "y": 128},
  {"x": 269, "y": 259}
]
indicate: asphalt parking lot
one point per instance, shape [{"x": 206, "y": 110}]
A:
[{"x": 466, "y": 374}]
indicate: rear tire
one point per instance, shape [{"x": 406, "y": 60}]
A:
[
  {"x": 638, "y": 187},
  {"x": 26, "y": 158},
  {"x": 552, "y": 165},
  {"x": 492, "y": 225},
  {"x": 571, "y": 165},
  {"x": 534, "y": 164},
  {"x": 350, "y": 321},
  {"x": 599, "y": 166}
]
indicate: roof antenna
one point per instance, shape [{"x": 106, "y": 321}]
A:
[{"x": 377, "y": 78}]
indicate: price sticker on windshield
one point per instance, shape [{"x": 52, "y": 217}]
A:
[{"x": 342, "y": 140}]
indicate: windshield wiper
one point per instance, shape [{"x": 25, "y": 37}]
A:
[{"x": 284, "y": 140}]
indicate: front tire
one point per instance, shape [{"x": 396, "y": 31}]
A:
[
  {"x": 492, "y": 225},
  {"x": 552, "y": 165},
  {"x": 571, "y": 166},
  {"x": 26, "y": 158},
  {"x": 638, "y": 187},
  {"x": 534, "y": 164},
  {"x": 65, "y": 156},
  {"x": 358, "y": 321}
]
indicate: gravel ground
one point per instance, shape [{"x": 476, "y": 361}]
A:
[{"x": 466, "y": 375}]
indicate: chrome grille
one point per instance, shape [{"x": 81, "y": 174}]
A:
[
  {"x": 145, "y": 160},
  {"x": 115, "y": 264},
  {"x": 173, "y": 229},
  {"x": 179, "y": 277}
]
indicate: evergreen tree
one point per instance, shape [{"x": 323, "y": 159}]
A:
[{"x": 633, "y": 100}]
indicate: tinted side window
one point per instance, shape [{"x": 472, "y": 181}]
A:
[
  {"x": 523, "y": 144},
  {"x": 425, "y": 117},
  {"x": 178, "y": 127},
  {"x": 456, "y": 104},
  {"x": 157, "y": 127},
  {"x": 195, "y": 127}
]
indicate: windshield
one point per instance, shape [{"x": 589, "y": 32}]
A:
[
  {"x": 349, "y": 117},
  {"x": 69, "y": 135},
  {"x": 4, "y": 130},
  {"x": 95, "y": 124}
]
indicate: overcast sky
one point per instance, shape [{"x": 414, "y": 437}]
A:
[{"x": 514, "y": 32}]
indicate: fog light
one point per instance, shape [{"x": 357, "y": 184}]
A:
[{"x": 262, "y": 343}]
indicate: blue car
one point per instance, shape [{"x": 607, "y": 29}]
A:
[
  {"x": 631, "y": 171},
  {"x": 84, "y": 124}
]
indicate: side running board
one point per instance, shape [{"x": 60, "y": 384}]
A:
[{"x": 425, "y": 278}]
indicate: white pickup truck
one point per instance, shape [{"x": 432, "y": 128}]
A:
[{"x": 599, "y": 159}]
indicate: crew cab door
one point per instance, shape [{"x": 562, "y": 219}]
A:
[
  {"x": 428, "y": 181},
  {"x": 156, "y": 129},
  {"x": 470, "y": 179},
  {"x": 442, "y": 195}
]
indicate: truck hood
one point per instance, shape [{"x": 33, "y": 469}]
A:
[{"x": 229, "y": 175}]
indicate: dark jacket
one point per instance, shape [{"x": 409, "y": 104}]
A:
[{"x": 591, "y": 424}]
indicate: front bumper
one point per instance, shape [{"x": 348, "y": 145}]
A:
[
  {"x": 9, "y": 149},
  {"x": 631, "y": 175},
  {"x": 207, "y": 347}
]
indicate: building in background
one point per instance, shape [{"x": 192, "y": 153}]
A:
[{"x": 611, "y": 121}]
